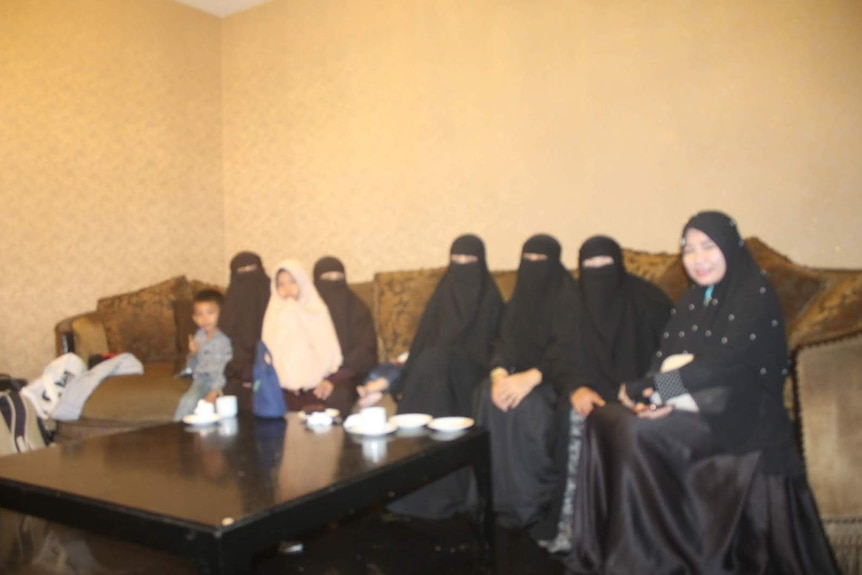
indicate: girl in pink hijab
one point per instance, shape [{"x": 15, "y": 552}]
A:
[{"x": 300, "y": 335}]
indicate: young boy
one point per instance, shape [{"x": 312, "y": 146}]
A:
[{"x": 209, "y": 352}]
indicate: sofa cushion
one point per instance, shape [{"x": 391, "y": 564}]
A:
[
  {"x": 149, "y": 397},
  {"x": 796, "y": 285},
  {"x": 185, "y": 327},
  {"x": 833, "y": 314},
  {"x": 142, "y": 322},
  {"x": 401, "y": 299}
]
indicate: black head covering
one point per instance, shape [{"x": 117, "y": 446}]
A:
[
  {"x": 351, "y": 318},
  {"x": 619, "y": 321},
  {"x": 543, "y": 287},
  {"x": 738, "y": 342},
  {"x": 241, "y": 317},
  {"x": 464, "y": 310}
]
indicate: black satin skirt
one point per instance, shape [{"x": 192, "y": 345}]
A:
[{"x": 664, "y": 497}]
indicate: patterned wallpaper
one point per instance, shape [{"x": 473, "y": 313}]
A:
[
  {"x": 148, "y": 139},
  {"x": 379, "y": 130},
  {"x": 111, "y": 174}
]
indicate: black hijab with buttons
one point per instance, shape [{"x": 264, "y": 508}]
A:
[
  {"x": 464, "y": 311},
  {"x": 740, "y": 352},
  {"x": 620, "y": 319},
  {"x": 531, "y": 325}
]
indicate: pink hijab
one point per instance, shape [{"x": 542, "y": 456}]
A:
[{"x": 299, "y": 333}]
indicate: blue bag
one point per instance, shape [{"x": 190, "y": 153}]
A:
[{"x": 268, "y": 399}]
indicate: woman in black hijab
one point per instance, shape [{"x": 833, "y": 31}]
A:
[
  {"x": 519, "y": 403},
  {"x": 452, "y": 348},
  {"x": 448, "y": 358},
  {"x": 354, "y": 328},
  {"x": 620, "y": 319},
  {"x": 241, "y": 319},
  {"x": 706, "y": 478}
]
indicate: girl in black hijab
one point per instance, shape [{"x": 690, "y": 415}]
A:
[
  {"x": 354, "y": 328},
  {"x": 518, "y": 403},
  {"x": 706, "y": 478},
  {"x": 620, "y": 319},
  {"x": 241, "y": 319},
  {"x": 448, "y": 358}
]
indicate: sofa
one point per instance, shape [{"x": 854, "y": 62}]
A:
[{"x": 822, "y": 307}]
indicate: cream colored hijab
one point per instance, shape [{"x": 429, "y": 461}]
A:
[{"x": 299, "y": 333}]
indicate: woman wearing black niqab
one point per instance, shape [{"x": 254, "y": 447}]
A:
[
  {"x": 448, "y": 358},
  {"x": 620, "y": 319},
  {"x": 354, "y": 328},
  {"x": 706, "y": 478},
  {"x": 241, "y": 319},
  {"x": 518, "y": 404}
]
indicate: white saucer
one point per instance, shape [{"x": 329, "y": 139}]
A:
[
  {"x": 359, "y": 429},
  {"x": 330, "y": 411},
  {"x": 449, "y": 424},
  {"x": 411, "y": 420},
  {"x": 198, "y": 419}
]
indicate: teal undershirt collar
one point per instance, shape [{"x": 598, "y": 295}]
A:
[{"x": 708, "y": 294}]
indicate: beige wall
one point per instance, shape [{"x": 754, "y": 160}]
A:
[
  {"x": 111, "y": 174},
  {"x": 379, "y": 130}
]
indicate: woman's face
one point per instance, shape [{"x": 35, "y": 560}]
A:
[
  {"x": 462, "y": 259},
  {"x": 704, "y": 263},
  {"x": 332, "y": 276},
  {"x": 285, "y": 286},
  {"x": 598, "y": 261}
]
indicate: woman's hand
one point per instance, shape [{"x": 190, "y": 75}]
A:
[
  {"x": 323, "y": 390},
  {"x": 654, "y": 412},
  {"x": 624, "y": 398},
  {"x": 372, "y": 392},
  {"x": 508, "y": 391},
  {"x": 584, "y": 400}
]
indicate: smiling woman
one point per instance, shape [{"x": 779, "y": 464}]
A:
[{"x": 719, "y": 488}]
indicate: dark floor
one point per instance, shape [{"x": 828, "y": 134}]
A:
[{"x": 373, "y": 544}]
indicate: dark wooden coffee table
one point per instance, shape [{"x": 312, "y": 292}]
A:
[{"x": 222, "y": 493}]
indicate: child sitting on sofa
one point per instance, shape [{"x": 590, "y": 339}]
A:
[{"x": 209, "y": 352}]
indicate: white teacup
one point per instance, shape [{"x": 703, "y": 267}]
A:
[
  {"x": 373, "y": 418},
  {"x": 226, "y": 406},
  {"x": 204, "y": 408}
]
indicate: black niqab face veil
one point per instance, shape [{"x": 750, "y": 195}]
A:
[
  {"x": 602, "y": 287},
  {"x": 245, "y": 304},
  {"x": 526, "y": 330},
  {"x": 467, "y": 279}
]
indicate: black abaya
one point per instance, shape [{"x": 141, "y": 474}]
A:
[
  {"x": 448, "y": 358},
  {"x": 524, "y": 440},
  {"x": 720, "y": 490},
  {"x": 354, "y": 327}
]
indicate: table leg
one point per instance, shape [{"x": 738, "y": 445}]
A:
[
  {"x": 212, "y": 559},
  {"x": 485, "y": 500}
]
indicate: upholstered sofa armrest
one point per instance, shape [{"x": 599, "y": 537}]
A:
[
  {"x": 82, "y": 334},
  {"x": 829, "y": 386}
]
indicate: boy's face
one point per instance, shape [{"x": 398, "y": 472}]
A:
[{"x": 205, "y": 315}]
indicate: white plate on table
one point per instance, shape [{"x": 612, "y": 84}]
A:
[
  {"x": 201, "y": 418},
  {"x": 361, "y": 429},
  {"x": 411, "y": 420},
  {"x": 450, "y": 424}
]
